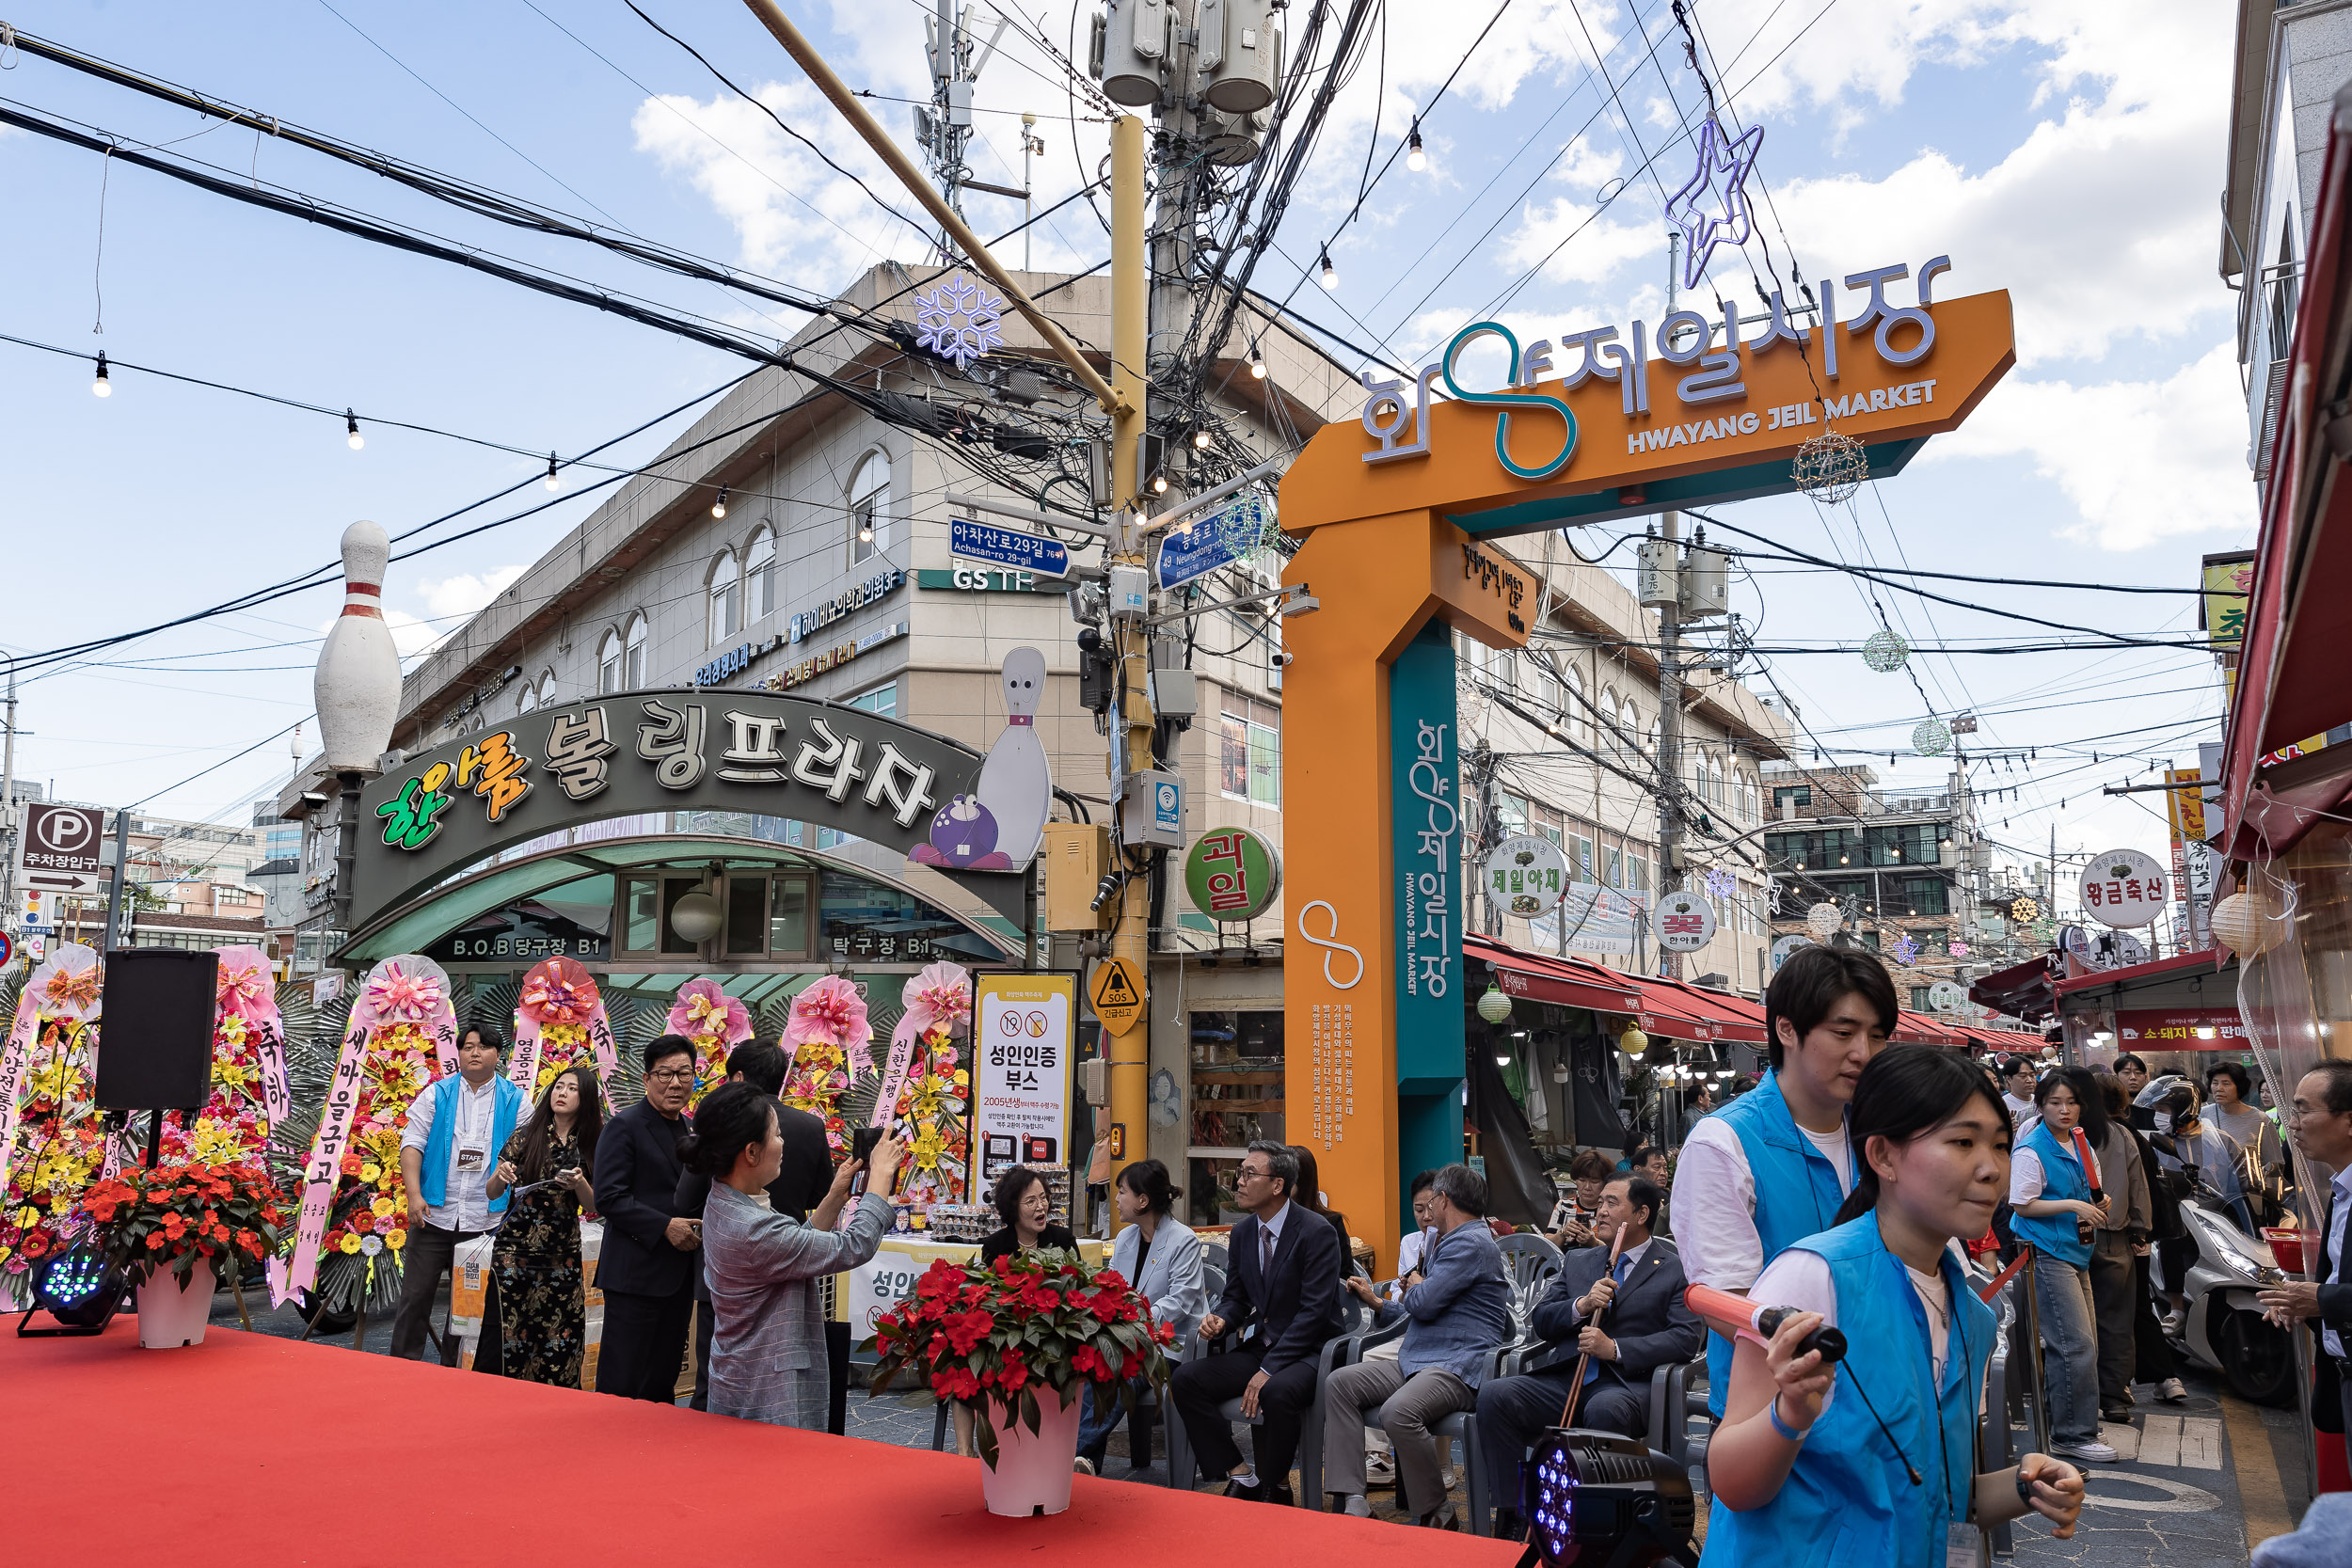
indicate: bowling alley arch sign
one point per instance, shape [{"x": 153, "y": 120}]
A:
[
  {"x": 1404, "y": 513},
  {"x": 444, "y": 811}
]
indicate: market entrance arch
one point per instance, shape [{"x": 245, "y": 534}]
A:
[{"x": 1402, "y": 515}]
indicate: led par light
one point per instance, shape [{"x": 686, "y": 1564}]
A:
[{"x": 1599, "y": 1500}]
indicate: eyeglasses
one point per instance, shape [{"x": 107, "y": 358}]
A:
[
  {"x": 681, "y": 1075},
  {"x": 1246, "y": 1174}
]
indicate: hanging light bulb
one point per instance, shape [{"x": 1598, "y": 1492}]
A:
[
  {"x": 1331, "y": 272},
  {"x": 100, "y": 386},
  {"x": 1159, "y": 484},
  {"x": 1201, "y": 439},
  {"x": 718, "y": 507},
  {"x": 1415, "y": 159},
  {"x": 1257, "y": 360},
  {"x": 351, "y": 425},
  {"x": 864, "y": 531},
  {"x": 551, "y": 482}
]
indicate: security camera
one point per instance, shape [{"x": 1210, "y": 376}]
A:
[
  {"x": 1300, "y": 603},
  {"x": 1282, "y": 658}
]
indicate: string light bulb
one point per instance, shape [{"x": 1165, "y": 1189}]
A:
[
  {"x": 1331, "y": 272},
  {"x": 865, "y": 530},
  {"x": 351, "y": 438},
  {"x": 718, "y": 507},
  {"x": 100, "y": 386},
  {"x": 1201, "y": 439},
  {"x": 1415, "y": 159},
  {"x": 1159, "y": 484},
  {"x": 551, "y": 482},
  {"x": 1257, "y": 360}
]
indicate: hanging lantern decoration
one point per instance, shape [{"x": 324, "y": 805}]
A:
[
  {"x": 1821, "y": 919},
  {"x": 2245, "y": 925},
  {"x": 1633, "y": 1042},
  {"x": 1885, "y": 651},
  {"x": 1494, "y": 1006},
  {"x": 1931, "y": 738},
  {"x": 1830, "y": 468}
]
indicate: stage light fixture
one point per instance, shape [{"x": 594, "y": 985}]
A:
[
  {"x": 78, "y": 1288},
  {"x": 1598, "y": 1500}
]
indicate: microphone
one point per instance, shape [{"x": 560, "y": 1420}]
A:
[{"x": 1729, "y": 1314}]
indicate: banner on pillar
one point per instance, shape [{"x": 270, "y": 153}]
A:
[{"x": 1426, "y": 821}]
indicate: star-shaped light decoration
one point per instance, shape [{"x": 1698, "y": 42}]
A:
[
  {"x": 958, "y": 320},
  {"x": 1720, "y": 157},
  {"x": 1906, "y": 950}
]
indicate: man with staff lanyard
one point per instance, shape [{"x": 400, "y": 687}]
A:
[{"x": 1772, "y": 1166}]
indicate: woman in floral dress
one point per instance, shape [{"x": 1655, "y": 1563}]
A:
[{"x": 536, "y": 1269}]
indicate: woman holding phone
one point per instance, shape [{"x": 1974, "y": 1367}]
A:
[
  {"x": 1871, "y": 1462},
  {"x": 534, "y": 1265},
  {"x": 768, "y": 1336}
]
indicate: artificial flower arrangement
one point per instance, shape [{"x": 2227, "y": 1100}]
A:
[
  {"x": 716, "y": 1022},
  {"x": 172, "y": 1218},
  {"x": 402, "y": 1036},
  {"x": 992, "y": 1336},
  {"x": 250, "y": 1095},
  {"x": 560, "y": 1021},
  {"x": 829, "y": 1033},
  {"x": 60, "y": 1144},
  {"x": 926, "y": 1090}
]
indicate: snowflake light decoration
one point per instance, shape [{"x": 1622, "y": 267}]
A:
[
  {"x": 958, "y": 320},
  {"x": 1957, "y": 949},
  {"x": 1721, "y": 884}
]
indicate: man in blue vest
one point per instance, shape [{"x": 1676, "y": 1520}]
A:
[
  {"x": 1772, "y": 1167},
  {"x": 455, "y": 1129}
]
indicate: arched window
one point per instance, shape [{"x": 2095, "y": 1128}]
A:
[
  {"x": 1579, "y": 718},
  {"x": 528, "y": 700},
  {"x": 633, "y": 654},
  {"x": 1630, "y": 721},
  {"x": 1608, "y": 738},
  {"x": 869, "y": 507},
  {"x": 547, "y": 688},
  {"x": 609, "y": 663},
  {"x": 760, "y": 575},
  {"x": 726, "y": 598}
]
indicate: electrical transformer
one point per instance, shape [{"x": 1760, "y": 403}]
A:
[
  {"x": 1240, "y": 54},
  {"x": 1655, "y": 577},
  {"x": 1706, "y": 582},
  {"x": 1130, "y": 53}
]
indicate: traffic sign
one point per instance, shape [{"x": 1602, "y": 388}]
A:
[
  {"x": 1200, "y": 547},
  {"x": 7, "y": 952},
  {"x": 1006, "y": 547},
  {"x": 1116, "y": 994},
  {"x": 60, "y": 849}
]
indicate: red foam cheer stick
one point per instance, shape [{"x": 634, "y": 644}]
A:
[{"x": 1729, "y": 1314}]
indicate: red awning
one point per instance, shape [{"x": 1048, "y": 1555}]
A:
[
  {"x": 2021, "y": 991},
  {"x": 2290, "y": 682},
  {"x": 1567, "y": 982},
  {"x": 1728, "y": 1017},
  {"x": 1919, "y": 1029},
  {"x": 2210, "y": 961}
]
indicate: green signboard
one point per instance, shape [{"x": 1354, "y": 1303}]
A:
[{"x": 1232, "y": 873}]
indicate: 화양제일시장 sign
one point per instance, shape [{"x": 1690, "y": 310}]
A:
[{"x": 639, "y": 752}]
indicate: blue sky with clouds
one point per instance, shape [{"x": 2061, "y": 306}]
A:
[{"x": 2069, "y": 152}]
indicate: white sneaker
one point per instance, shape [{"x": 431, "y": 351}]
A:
[
  {"x": 1358, "y": 1506},
  {"x": 1445, "y": 1478},
  {"x": 1081, "y": 1465},
  {"x": 2172, "y": 1391},
  {"x": 2090, "y": 1454}
]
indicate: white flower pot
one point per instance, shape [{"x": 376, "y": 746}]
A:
[
  {"x": 171, "y": 1315},
  {"x": 1032, "y": 1474}
]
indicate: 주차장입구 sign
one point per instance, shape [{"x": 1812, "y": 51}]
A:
[{"x": 1008, "y": 546}]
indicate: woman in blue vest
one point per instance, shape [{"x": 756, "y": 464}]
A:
[
  {"x": 1873, "y": 1461},
  {"x": 2051, "y": 1196}
]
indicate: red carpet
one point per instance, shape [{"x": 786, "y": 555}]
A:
[{"x": 248, "y": 1449}]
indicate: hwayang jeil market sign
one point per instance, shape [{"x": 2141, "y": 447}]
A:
[
  {"x": 1693, "y": 409},
  {"x": 644, "y": 752}
]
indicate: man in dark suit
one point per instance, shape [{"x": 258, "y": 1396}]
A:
[
  {"x": 2320, "y": 1121},
  {"x": 646, "y": 1269},
  {"x": 1630, "y": 1322},
  {"x": 798, "y": 1187},
  {"x": 1284, "y": 1276}
]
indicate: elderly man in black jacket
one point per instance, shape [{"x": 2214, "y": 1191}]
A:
[
  {"x": 646, "y": 1269},
  {"x": 1630, "y": 1322},
  {"x": 1285, "y": 1279}
]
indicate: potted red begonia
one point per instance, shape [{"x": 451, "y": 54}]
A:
[{"x": 173, "y": 1229}]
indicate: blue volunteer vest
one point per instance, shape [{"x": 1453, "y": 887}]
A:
[
  {"x": 1797, "y": 1195},
  {"x": 507, "y": 1103},
  {"x": 1848, "y": 1502},
  {"x": 2062, "y": 1177}
]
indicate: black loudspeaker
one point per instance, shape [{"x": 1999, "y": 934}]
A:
[{"x": 156, "y": 1029}]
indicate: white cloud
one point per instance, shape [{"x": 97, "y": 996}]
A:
[
  {"x": 2140, "y": 461},
  {"x": 466, "y": 593}
]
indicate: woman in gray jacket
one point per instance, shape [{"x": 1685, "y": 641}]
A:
[
  {"x": 768, "y": 1340},
  {"x": 1160, "y": 1257}
]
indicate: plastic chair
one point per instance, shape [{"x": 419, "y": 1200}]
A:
[{"x": 1461, "y": 1427}]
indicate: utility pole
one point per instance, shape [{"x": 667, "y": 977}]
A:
[
  {"x": 113, "y": 936},
  {"x": 944, "y": 130},
  {"x": 7, "y": 814},
  {"x": 1031, "y": 145},
  {"x": 1670, "y": 695}
]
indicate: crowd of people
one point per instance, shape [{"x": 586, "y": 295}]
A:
[{"x": 1851, "y": 1184}]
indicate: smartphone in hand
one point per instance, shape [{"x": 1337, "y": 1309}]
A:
[{"x": 862, "y": 1142}]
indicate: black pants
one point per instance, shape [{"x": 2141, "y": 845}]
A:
[
  {"x": 644, "y": 1342},
  {"x": 2152, "y": 1353},
  {"x": 1512, "y": 1412},
  {"x": 1205, "y": 1382},
  {"x": 427, "y": 1257},
  {"x": 2113, "y": 1285},
  {"x": 702, "y": 1324}
]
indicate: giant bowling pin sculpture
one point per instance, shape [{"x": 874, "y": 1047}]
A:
[
  {"x": 997, "y": 827},
  {"x": 356, "y": 686}
]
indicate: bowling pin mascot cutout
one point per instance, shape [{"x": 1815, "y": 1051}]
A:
[
  {"x": 997, "y": 827},
  {"x": 357, "y": 687}
]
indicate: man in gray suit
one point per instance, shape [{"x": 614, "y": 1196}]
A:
[
  {"x": 1630, "y": 1322},
  {"x": 1460, "y": 1307}
]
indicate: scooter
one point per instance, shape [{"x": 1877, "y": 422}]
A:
[{"x": 2224, "y": 1328}]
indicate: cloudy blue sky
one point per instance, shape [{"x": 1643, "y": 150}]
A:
[{"x": 2069, "y": 152}]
